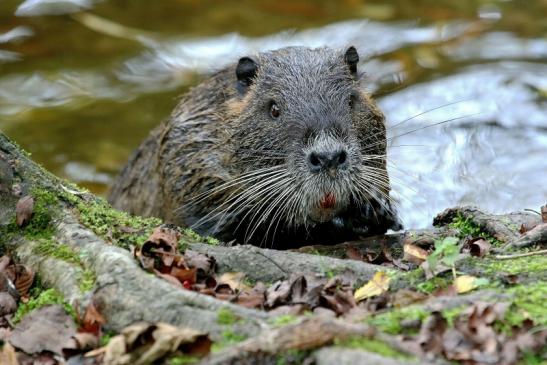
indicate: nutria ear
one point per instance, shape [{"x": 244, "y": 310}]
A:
[
  {"x": 352, "y": 58},
  {"x": 246, "y": 71}
]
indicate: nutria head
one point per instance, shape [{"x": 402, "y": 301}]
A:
[{"x": 308, "y": 143}]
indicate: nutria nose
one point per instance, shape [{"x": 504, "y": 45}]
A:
[{"x": 327, "y": 160}]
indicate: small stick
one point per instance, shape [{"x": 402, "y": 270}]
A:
[{"x": 526, "y": 254}]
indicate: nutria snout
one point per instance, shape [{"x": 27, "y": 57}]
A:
[{"x": 283, "y": 148}]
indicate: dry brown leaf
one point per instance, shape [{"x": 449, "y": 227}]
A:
[
  {"x": 353, "y": 254},
  {"x": 79, "y": 343},
  {"x": 431, "y": 333},
  {"x": 205, "y": 264},
  {"x": 278, "y": 293},
  {"x": 169, "y": 278},
  {"x": 23, "y": 210},
  {"x": 479, "y": 248},
  {"x": 46, "y": 329},
  {"x": 525, "y": 227},
  {"x": 92, "y": 320},
  {"x": 377, "y": 285},
  {"x": 7, "y": 355},
  {"x": 23, "y": 278},
  {"x": 404, "y": 297},
  {"x": 414, "y": 254},
  {"x": 145, "y": 343},
  {"x": 544, "y": 214},
  {"x": 162, "y": 243},
  {"x": 250, "y": 299},
  {"x": 292, "y": 310},
  {"x": 235, "y": 280},
  {"x": 187, "y": 277}
]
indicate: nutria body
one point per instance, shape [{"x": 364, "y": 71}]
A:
[{"x": 284, "y": 148}]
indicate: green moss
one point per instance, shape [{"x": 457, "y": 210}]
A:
[
  {"x": 529, "y": 358},
  {"x": 284, "y": 320},
  {"x": 291, "y": 356},
  {"x": 372, "y": 345},
  {"x": 191, "y": 236},
  {"x": 226, "y": 317},
  {"x": 87, "y": 281},
  {"x": 46, "y": 297},
  {"x": 43, "y": 213},
  {"x": 409, "y": 279},
  {"x": 183, "y": 360},
  {"x": 49, "y": 247},
  {"x": 120, "y": 228},
  {"x": 390, "y": 322},
  {"x": 514, "y": 266},
  {"x": 451, "y": 314},
  {"x": 430, "y": 285},
  {"x": 528, "y": 303},
  {"x": 105, "y": 338},
  {"x": 229, "y": 337},
  {"x": 467, "y": 227}
]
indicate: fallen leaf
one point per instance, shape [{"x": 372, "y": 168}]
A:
[
  {"x": 404, "y": 297},
  {"x": 23, "y": 210},
  {"x": 250, "y": 299},
  {"x": 171, "y": 279},
  {"x": 414, "y": 254},
  {"x": 465, "y": 283},
  {"x": 205, "y": 264},
  {"x": 278, "y": 293},
  {"x": 430, "y": 336},
  {"x": 447, "y": 291},
  {"x": 479, "y": 248},
  {"x": 162, "y": 243},
  {"x": 46, "y": 329},
  {"x": 293, "y": 310},
  {"x": 79, "y": 343},
  {"x": 7, "y": 355},
  {"x": 22, "y": 277},
  {"x": 235, "y": 280},
  {"x": 145, "y": 343},
  {"x": 353, "y": 254},
  {"x": 525, "y": 227},
  {"x": 92, "y": 320},
  {"x": 376, "y": 286},
  {"x": 185, "y": 275}
]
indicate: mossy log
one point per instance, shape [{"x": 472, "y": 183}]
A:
[
  {"x": 80, "y": 246},
  {"x": 65, "y": 245}
]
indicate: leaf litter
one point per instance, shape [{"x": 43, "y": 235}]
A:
[{"x": 473, "y": 339}]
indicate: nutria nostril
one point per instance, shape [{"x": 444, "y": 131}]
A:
[{"x": 327, "y": 160}]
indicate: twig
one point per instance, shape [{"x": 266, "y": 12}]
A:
[
  {"x": 272, "y": 261},
  {"x": 526, "y": 254}
]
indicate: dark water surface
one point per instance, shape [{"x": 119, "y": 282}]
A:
[{"x": 80, "y": 90}]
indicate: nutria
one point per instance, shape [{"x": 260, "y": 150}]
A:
[{"x": 283, "y": 148}]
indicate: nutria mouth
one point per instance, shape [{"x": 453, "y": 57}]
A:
[
  {"x": 327, "y": 201},
  {"x": 284, "y": 146}
]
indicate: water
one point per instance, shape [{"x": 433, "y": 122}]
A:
[{"x": 82, "y": 82}]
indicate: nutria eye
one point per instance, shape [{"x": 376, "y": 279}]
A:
[
  {"x": 351, "y": 101},
  {"x": 274, "y": 110}
]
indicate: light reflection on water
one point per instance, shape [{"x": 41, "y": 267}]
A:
[{"x": 70, "y": 94}]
